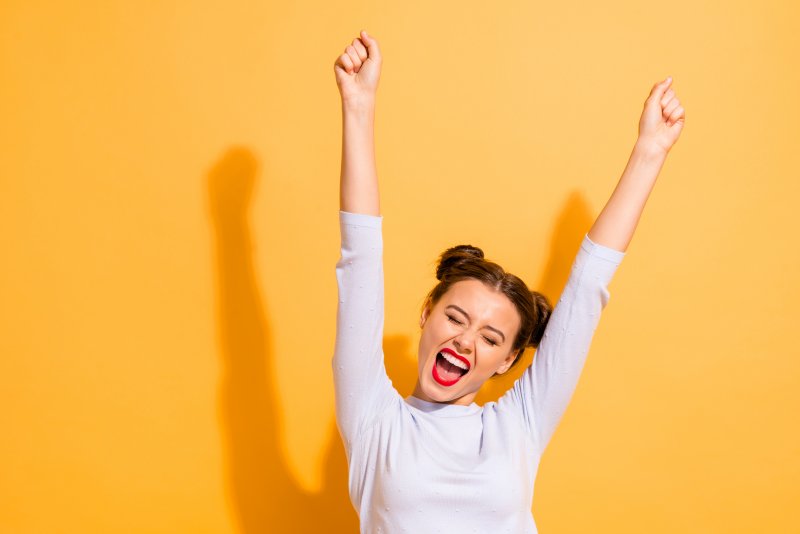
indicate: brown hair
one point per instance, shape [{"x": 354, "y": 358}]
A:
[{"x": 464, "y": 262}]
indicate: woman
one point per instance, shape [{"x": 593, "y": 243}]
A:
[{"x": 436, "y": 461}]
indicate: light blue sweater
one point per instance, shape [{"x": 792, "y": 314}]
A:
[{"x": 425, "y": 467}]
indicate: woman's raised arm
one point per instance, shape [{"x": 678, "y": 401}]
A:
[
  {"x": 541, "y": 395},
  {"x": 357, "y": 71},
  {"x": 361, "y": 386},
  {"x": 659, "y": 127}
]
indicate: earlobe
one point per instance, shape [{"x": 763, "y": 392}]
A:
[
  {"x": 507, "y": 364},
  {"x": 504, "y": 368}
]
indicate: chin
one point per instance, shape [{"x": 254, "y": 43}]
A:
[
  {"x": 440, "y": 393},
  {"x": 436, "y": 394},
  {"x": 429, "y": 389}
]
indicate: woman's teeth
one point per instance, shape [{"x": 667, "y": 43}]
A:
[{"x": 455, "y": 361}]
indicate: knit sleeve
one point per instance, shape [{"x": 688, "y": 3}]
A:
[
  {"x": 361, "y": 387},
  {"x": 544, "y": 390}
]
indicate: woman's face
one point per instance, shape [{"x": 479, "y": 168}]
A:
[{"x": 476, "y": 327}]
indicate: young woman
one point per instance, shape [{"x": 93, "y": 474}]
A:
[{"x": 436, "y": 461}]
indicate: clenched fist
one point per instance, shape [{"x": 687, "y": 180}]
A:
[
  {"x": 358, "y": 70},
  {"x": 662, "y": 119}
]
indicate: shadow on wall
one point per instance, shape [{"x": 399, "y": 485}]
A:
[{"x": 265, "y": 496}]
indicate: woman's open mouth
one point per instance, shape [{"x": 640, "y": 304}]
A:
[{"x": 449, "y": 368}]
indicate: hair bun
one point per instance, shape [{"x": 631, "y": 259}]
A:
[
  {"x": 542, "y": 311},
  {"x": 456, "y": 255}
]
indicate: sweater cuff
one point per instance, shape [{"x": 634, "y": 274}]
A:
[
  {"x": 360, "y": 219},
  {"x": 601, "y": 251}
]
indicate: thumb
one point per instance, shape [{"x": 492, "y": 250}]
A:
[
  {"x": 660, "y": 88},
  {"x": 372, "y": 46}
]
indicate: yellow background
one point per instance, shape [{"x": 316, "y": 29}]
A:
[{"x": 169, "y": 196}]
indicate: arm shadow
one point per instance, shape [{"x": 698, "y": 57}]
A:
[{"x": 262, "y": 494}]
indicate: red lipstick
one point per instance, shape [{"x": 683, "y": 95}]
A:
[{"x": 441, "y": 380}]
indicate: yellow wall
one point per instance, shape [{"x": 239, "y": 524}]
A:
[{"x": 168, "y": 203}]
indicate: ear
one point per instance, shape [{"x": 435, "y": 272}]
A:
[
  {"x": 508, "y": 361},
  {"x": 426, "y": 311}
]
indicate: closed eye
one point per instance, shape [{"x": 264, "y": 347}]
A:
[
  {"x": 454, "y": 320},
  {"x": 488, "y": 340}
]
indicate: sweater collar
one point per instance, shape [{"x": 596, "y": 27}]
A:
[{"x": 442, "y": 409}]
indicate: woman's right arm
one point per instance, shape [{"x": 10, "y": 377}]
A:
[
  {"x": 357, "y": 73},
  {"x": 362, "y": 388}
]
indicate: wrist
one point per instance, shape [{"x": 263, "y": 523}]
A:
[
  {"x": 359, "y": 104},
  {"x": 649, "y": 150}
]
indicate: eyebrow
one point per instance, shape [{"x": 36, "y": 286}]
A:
[{"x": 467, "y": 316}]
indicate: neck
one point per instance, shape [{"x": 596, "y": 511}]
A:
[{"x": 464, "y": 400}]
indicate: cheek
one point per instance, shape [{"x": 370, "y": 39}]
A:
[
  {"x": 423, "y": 351},
  {"x": 427, "y": 341},
  {"x": 489, "y": 364},
  {"x": 426, "y": 353}
]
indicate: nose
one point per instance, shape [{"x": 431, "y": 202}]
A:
[{"x": 463, "y": 343}]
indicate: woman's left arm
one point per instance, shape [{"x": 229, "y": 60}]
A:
[
  {"x": 543, "y": 392},
  {"x": 659, "y": 127}
]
